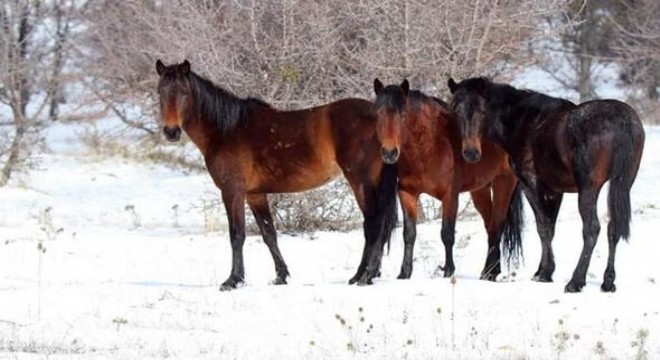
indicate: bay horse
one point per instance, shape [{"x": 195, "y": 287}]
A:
[
  {"x": 419, "y": 134},
  {"x": 557, "y": 147},
  {"x": 251, "y": 149}
]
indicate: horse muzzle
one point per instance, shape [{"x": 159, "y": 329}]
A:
[
  {"x": 471, "y": 155},
  {"x": 172, "y": 134},
  {"x": 389, "y": 156}
]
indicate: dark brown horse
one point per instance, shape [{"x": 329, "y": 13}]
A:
[
  {"x": 557, "y": 147},
  {"x": 418, "y": 133},
  {"x": 251, "y": 150}
]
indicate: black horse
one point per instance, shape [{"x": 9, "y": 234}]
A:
[{"x": 555, "y": 147}]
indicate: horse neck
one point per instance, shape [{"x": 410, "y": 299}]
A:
[
  {"x": 520, "y": 109},
  {"x": 428, "y": 119},
  {"x": 201, "y": 132},
  {"x": 507, "y": 114},
  {"x": 215, "y": 113}
]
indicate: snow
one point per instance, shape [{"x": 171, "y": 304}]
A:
[{"x": 122, "y": 277}]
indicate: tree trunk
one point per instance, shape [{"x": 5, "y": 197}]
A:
[
  {"x": 21, "y": 98},
  {"x": 14, "y": 152},
  {"x": 585, "y": 61},
  {"x": 55, "y": 95},
  {"x": 585, "y": 87}
]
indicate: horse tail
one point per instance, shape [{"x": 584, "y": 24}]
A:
[
  {"x": 512, "y": 228},
  {"x": 386, "y": 210},
  {"x": 621, "y": 179}
]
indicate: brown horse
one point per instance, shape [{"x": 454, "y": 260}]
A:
[
  {"x": 557, "y": 147},
  {"x": 251, "y": 149},
  {"x": 418, "y": 133}
]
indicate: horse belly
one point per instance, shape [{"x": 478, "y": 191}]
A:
[
  {"x": 289, "y": 176},
  {"x": 555, "y": 171}
]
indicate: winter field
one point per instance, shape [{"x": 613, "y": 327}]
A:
[{"x": 109, "y": 258}]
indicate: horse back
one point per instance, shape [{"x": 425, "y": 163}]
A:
[
  {"x": 278, "y": 151},
  {"x": 599, "y": 128}
]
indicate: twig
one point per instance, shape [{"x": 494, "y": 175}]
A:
[{"x": 11, "y": 323}]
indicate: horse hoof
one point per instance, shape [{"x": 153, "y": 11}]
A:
[
  {"x": 449, "y": 273},
  {"x": 572, "y": 287},
  {"x": 489, "y": 277},
  {"x": 227, "y": 286},
  {"x": 365, "y": 279},
  {"x": 608, "y": 287},
  {"x": 542, "y": 278},
  {"x": 365, "y": 282},
  {"x": 231, "y": 284},
  {"x": 279, "y": 281},
  {"x": 403, "y": 276},
  {"x": 354, "y": 279}
]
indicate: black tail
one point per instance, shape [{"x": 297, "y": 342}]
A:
[
  {"x": 386, "y": 210},
  {"x": 512, "y": 229},
  {"x": 618, "y": 199}
]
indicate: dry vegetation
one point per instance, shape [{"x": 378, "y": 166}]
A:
[{"x": 98, "y": 56}]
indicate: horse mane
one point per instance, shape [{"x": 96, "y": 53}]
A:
[
  {"x": 505, "y": 96},
  {"x": 418, "y": 98},
  {"x": 227, "y": 111},
  {"x": 389, "y": 99}
]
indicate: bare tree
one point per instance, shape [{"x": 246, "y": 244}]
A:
[
  {"x": 637, "y": 44},
  {"x": 582, "y": 47},
  {"x": 31, "y": 61},
  {"x": 301, "y": 53},
  {"x": 17, "y": 20}
]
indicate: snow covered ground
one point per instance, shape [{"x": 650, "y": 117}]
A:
[{"x": 120, "y": 274}]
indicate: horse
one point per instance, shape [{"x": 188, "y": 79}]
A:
[
  {"x": 251, "y": 149},
  {"x": 558, "y": 147},
  {"x": 419, "y": 134}
]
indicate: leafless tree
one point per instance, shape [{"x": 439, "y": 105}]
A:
[
  {"x": 31, "y": 62},
  {"x": 300, "y": 53},
  {"x": 637, "y": 44}
]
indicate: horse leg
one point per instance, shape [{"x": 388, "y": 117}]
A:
[
  {"x": 409, "y": 207},
  {"x": 482, "y": 202},
  {"x": 587, "y": 199},
  {"x": 235, "y": 206},
  {"x": 364, "y": 203},
  {"x": 259, "y": 205},
  {"x": 503, "y": 189},
  {"x": 608, "y": 278},
  {"x": 449, "y": 211},
  {"x": 545, "y": 204}
]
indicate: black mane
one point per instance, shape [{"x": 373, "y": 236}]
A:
[
  {"x": 226, "y": 110},
  {"x": 391, "y": 97},
  {"x": 508, "y": 98}
]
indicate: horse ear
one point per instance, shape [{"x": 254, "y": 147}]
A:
[
  {"x": 378, "y": 86},
  {"x": 452, "y": 85},
  {"x": 405, "y": 86},
  {"x": 160, "y": 68},
  {"x": 185, "y": 67}
]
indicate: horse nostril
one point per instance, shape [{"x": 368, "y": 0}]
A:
[
  {"x": 471, "y": 155},
  {"x": 389, "y": 156},
  {"x": 172, "y": 134}
]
